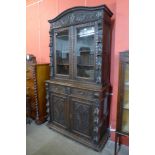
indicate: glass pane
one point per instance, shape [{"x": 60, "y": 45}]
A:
[
  {"x": 126, "y": 87},
  {"x": 62, "y": 52},
  {"x": 85, "y": 50},
  {"x": 125, "y": 120},
  {"x": 125, "y": 116}
]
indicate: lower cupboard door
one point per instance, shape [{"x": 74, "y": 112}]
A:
[
  {"x": 81, "y": 117},
  {"x": 58, "y": 105}
]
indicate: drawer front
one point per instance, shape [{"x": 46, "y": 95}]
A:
[
  {"x": 57, "y": 89},
  {"x": 83, "y": 93}
]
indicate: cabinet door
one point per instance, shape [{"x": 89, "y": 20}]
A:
[
  {"x": 123, "y": 95},
  {"x": 81, "y": 117},
  {"x": 62, "y": 52},
  {"x": 84, "y": 48},
  {"x": 125, "y": 98},
  {"x": 58, "y": 104}
]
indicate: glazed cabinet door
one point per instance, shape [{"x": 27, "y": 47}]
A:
[
  {"x": 84, "y": 48},
  {"x": 81, "y": 117},
  {"x": 58, "y": 113},
  {"x": 62, "y": 52}
]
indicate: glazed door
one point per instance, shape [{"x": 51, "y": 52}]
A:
[
  {"x": 62, "y": 52},
  {"x": 81, "y": 117},
  {"x": 58, "y": 114},
  {"x": 85, "y": 52}
]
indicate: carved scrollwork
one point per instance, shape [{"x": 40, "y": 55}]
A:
[
  {"x": 78, "y": 17},
  {"x": 59, "y": 106},
  {"x": 96, "y": 123},
  {"x": 81, "y": 118},
  {"x": 82, "y": 93},
  {"x": 98, "y": 55}
]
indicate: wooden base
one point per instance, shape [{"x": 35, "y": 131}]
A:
[{"x": 75, "y": 137}]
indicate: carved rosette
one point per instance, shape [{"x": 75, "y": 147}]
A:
[
  {"x": 47, "y": 103},
  {"x": 96, "y": 123}
]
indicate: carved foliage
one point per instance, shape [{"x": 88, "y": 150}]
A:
[
  {"x": 81, "y": 117},
  {"x": 96, "y": 122},
  {"x": 47, "y": 102},
  {"x": 58, "y": 109},
  {"x": 83, "y": 93},
  {"x": 99, "y": 53},
  {"x": 77, "y": 17}
]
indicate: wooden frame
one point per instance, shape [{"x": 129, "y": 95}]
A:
[{"x": 123, "y": 60}]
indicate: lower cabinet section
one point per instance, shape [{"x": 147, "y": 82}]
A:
[{"x": 77, "y": 116}]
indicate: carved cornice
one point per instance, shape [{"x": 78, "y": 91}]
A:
[{"x": 79, "y": 15}]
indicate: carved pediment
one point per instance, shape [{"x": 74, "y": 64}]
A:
[{"x": 78, "y": 15}]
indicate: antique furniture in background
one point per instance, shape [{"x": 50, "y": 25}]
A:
[
  {"x": 123, "y": 99},
  {"x": 28, "y": 109},
  {"x": 36, "y": 74},
  {"x": 42, "y": 74},
  {"x": 31, "y": 85},
  {"x": 78, "y": 89}
]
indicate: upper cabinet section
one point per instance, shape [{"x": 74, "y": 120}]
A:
[{"x": 79, "y": 44}]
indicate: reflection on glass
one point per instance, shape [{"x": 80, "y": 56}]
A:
[
  {"x": 62, "y": 52},
  {"x": 126, "y": 87},
  {"x": 125, "y": 118},
  {"x": 85, "y": 52},
  {"x": 125, "y": 121}
]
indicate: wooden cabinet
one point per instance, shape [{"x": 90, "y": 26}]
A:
[
  {"x": 123, "y": 98},
  {"x": 77, "y": 92},
  {"x": 36, "y": 74}
]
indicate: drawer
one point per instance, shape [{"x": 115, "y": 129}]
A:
[
  {"x": 57, "y": 89},
  {"x": 83, "y": 93}
]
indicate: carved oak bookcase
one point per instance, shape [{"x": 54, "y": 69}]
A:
[{"x": 77, "y": 92}]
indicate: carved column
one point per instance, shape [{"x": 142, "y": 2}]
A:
[
  {"x": 51, "y": 53},
  {"x": 47, "y": 103},
  {"x": 96, "y": 123}
]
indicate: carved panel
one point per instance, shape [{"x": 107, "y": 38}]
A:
[
  {"x": 82, "y": 93},
  {"x": 78, "y": 17},
  {"x": 81, "y": 117},
  {"x": 57, "y": 88},
  {"x": 99, "y": 43},
  {"x": 59, "y": 109}
]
